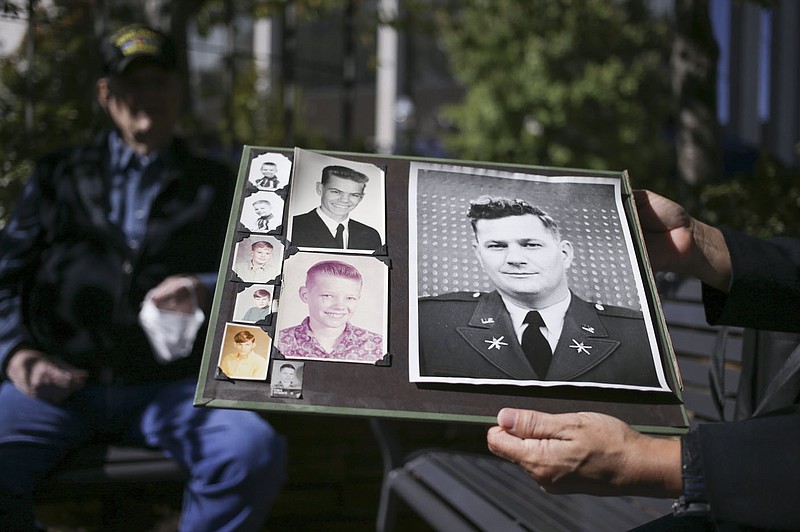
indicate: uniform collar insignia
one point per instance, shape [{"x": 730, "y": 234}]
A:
[
  {"x": 495, "y": 343},
  {"x": 580, "y": 347}
]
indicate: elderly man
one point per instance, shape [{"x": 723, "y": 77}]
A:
[
  {"x": 532, "y": 327},
  {"x": 133, "y": 216}
]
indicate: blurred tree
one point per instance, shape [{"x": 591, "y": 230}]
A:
[
  {"x": 58, "y": 81},
  {"x": 260, "y": 118},
  {"x": 764, "y": 203},
  {"x": 561, "y": 83},
  {"x": 549, "y": 82}
]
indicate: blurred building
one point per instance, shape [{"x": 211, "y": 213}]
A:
[
  {"x": 327, "y": 72},
  {"x": 324, "y": 73},
  {"x": 759, "y": 78},
  {"x": 334, "y": 79}
]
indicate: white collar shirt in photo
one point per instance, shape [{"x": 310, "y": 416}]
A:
[
  {"x": 332, "y": 224},
  {"x": 553, "y": 317}
]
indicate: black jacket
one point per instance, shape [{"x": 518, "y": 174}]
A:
[
  {"x": 308, "y": 230},
  {"x": 752, "y": 467},
  {"x": 69, "y": 284}
]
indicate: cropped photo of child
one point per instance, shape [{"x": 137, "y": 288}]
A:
[
  {"x": 245, "y": 362},
  {"x": 260, "y": 308}
]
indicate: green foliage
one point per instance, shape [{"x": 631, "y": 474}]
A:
[
  {"x": 561, "y": 83},
  {"x": 59, "y": 83},
  {"x": 256, "y": 118},
  {"x": 764, "y": 203}
]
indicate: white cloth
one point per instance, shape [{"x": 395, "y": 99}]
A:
[{"x": 171, "y": 333}]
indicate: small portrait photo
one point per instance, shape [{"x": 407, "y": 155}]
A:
[
  {"x": 287, "y": 379},
  {"x": 254, "y": 304},
  {"x": 270, "y": 171},
  {"x": 333, "y": 308},
  {"x": 244, "y": 353},
  {"x": 526, "y": 279},
  {"x": 262, "y": 212},
  {"x": 258, "y": 259},
  {"x": 336, "y": 204}
]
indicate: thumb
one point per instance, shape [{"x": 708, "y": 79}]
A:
[{"x": 529, "y": 424}]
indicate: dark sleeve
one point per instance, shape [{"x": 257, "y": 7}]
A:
[
  {"x": 19, "y": 253},
  {"x": 752, "y": 469},
  {"x": 765, "y": 287}
]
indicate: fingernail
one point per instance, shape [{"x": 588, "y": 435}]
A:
[{"x": 506, "y": 418}]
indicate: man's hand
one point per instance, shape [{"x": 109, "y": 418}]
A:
[
  {"x": 587, "y": 453},
  {"x": 44, "y": 377},
  {"x": 667, "y": 229},
  {"x": 679, "y": 243},
  {"x": 180, "y": 293}
]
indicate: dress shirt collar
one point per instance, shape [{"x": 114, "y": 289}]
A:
[
  {"x": 553, "y": 317},
  {"x": 332, "y": 224},
  {"x": 122, "y": 155}
]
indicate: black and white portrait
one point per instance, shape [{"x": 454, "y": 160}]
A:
[
  {"x": 526, "y": 280},
  {"x": 287, "y": 379},
  {"x": 270, "y": 171},
  {"x": 262, "y": 212},
  {"x": 336, "y": 204}
]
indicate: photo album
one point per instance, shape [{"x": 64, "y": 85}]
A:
[{"x": 409, "y": 288}]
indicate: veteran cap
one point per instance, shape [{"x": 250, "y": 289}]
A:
[{"x": 136, "y": 42}]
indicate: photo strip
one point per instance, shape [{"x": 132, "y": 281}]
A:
[{"x": 525, "y": 280}]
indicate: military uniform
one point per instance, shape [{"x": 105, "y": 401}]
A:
[{"x": 466, "y": 334}]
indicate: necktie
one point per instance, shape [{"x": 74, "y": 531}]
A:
[
  {"x": 340, "y": 236},
  {"x": 535, "y": 346}
]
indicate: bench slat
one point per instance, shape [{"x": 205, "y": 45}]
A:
[
  {"x": 701, "y": 344},
  {"x": 517, "y": 503},
  {"x": 695, "y": 374}
]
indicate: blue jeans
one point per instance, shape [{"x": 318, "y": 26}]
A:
[{"x": 236, "y": 461}]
